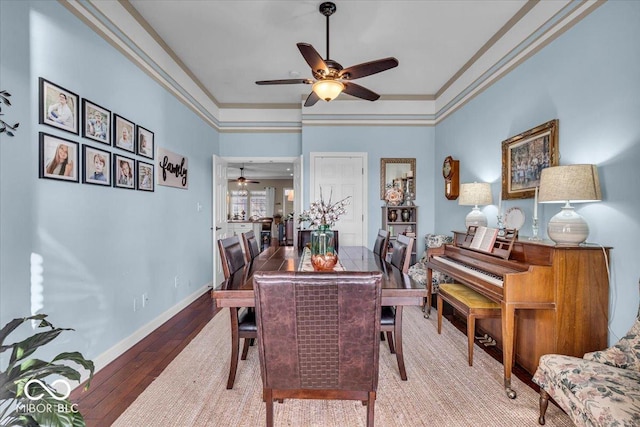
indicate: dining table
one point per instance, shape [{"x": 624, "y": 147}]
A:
[{"x": 398, "y": 289}]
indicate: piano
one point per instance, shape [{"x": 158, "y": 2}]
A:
[{"x": 554, "y": 298}]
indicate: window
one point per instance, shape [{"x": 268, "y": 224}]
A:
[
  {"x": 238, "y": 205},
  {"x": 258, "y": 203},
  {"x": 244, "y": 207}
]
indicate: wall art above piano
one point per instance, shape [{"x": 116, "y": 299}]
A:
[{"x": 524, "y": 156}]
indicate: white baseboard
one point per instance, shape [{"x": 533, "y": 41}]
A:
[{"x": 120, "y": 348}]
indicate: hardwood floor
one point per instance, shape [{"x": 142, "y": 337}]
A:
[{"x": 118, "y": 384}]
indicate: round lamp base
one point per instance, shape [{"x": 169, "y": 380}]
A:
[
  {"x": 475, "y": 217},
  {"x": 567, "y": 227}
]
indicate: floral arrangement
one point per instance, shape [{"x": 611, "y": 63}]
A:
[
  {"x": 324, "y": 213},
  {"x": 394, "y": 196}
]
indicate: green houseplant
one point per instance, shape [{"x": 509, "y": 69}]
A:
[{"x": 26, "y": 396}]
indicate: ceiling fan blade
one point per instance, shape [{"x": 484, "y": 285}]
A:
[
  {"x": 313, "y": 58},
  {"x": 311, "y": 99},
  {"x": 359, "y": 91},
  {"x": 284, "y": 82},
  {"x": 368, "y": 68}
]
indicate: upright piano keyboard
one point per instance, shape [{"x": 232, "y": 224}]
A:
[{"x": 556, "y": 297}]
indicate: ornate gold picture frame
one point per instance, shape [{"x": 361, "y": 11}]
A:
[
  {"x": 394, "y": 168},
  {"x": 523, "y": 158}
]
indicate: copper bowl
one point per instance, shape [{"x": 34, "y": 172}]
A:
[{"x": 324, "y": 262}]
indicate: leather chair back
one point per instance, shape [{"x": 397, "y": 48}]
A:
[
  {"x": 382, "y": 243},
  {"x": 318, "y": 335},
  {"x": 401, "y": 256},
  {"x": 251, "y": 247},
  {"x": 231, "y": 255}
]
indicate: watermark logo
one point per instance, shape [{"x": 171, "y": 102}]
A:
[
  {"x": 51, "y": 393},
  {"x": 46, "y": 407}
]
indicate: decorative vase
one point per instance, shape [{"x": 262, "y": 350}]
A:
[
  {"x": 392, "y": 215},
  {"x": 406, "y": 215},
  {"x": 323, "y": 254}
]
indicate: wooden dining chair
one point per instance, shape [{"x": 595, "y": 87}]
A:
[
  {"x": 318, "y": 336},
  {"x": 391, "y": 317},
  {"x": 251, "y": 246},
  {"x": 381, "y": 244},
  {"x": 243, "y": 323}
]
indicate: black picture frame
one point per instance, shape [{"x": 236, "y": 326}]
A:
[
  {"x": 122, "y": 179},
  {"x": 145, "y": 176},
  {"x": 145, "y": 142},
  {"x": 96, "y": 166},
  {"x": 58, "y": 106},
  {"x": 52, "y": 163},
  {"x": 120, "y": 126},
  {"x": 96, "y": 122}
]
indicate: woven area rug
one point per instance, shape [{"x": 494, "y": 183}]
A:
[{"x": 442, "y": 390}]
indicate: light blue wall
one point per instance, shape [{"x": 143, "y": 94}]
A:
[
  {"x": 269, "y": 144},
  {"x": 99, "y": 247},
  {"x": 588, "y": 79},
  {"x": 380, "y": 141}
]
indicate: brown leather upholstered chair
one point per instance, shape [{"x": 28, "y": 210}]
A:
[
  {"x": 382, "y": 244},
  {"x": 243, "y": 323},
  {"x": 391, "y": 317},
  {"x": 318, "y": 336},
  {"x": 251, "y": 246}
]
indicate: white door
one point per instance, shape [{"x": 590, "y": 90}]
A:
[
  {"x": 219, "y": 210},
  {"x": 341, "y": 175}
]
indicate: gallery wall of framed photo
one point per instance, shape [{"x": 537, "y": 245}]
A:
[{"x": 108, "y": 140}]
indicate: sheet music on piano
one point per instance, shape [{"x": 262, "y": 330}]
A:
[
  {"x": 488, "y": 240},
  {"x": 484, "y": 238}
]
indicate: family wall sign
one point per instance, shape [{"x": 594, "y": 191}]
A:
[{"x": 172, "y": 169}]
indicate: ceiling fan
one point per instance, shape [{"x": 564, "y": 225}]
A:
[
  {"x": 330, "y": 78},
  {"x": 244, "y": 181}
]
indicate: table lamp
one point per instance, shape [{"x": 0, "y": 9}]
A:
[
  {"x": 569, "y": 184},
  {"x": 474, "y": 194}
]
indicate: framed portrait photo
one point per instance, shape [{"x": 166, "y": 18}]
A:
[
  {"x": 123, "y": 172},
  {"x": 58, "y": 158},
  {"x": 96, "y": 122},
  {"x": 145, "y": 176},
  {"x": 144, "y": 143},
  {"x": 58, "y": 107},
  {"x": 123, "y": 133},
  {"x": 523, "y": 158},
  {"x": 96, "y": 166}
]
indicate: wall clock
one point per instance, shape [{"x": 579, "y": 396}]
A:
[{"x": 451, "y": 174}]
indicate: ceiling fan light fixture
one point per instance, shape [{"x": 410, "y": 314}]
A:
[{"x": 328, "y": 89}]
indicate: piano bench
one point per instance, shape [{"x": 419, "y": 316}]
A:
[{"x": 470, "y": 303}]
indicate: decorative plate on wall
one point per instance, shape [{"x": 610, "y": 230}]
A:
[{"x": 514, "y": 218}]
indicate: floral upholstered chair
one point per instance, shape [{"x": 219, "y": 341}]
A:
[
  {"x": 418, "y": 271},
  {"x": 601, "y": 389}
]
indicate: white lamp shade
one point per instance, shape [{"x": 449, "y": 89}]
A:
[
  {"x": 328, "y": 89},
  {"x": 565, "y": 184},
  {"x": 571, "y": 183},
  {"x": 474, "y": 194}
]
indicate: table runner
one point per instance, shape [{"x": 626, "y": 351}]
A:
[{"x": 305, "y": 262}]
